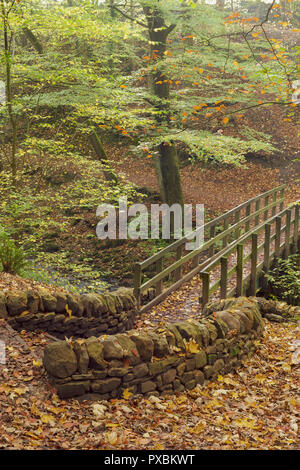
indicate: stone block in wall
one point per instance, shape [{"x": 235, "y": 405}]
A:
[
  {"x": 219, "y": 365},
  {"x": 117, "y": 372},
  {"x": 169, "y": 376},
  {"x": 110, "y": 302},
  {"x": 82, "y": 356},
  {"x": 48, "y": 301},
  {"x": 187, "y": 377},
  {"x": 61, "y": 302},
  {"x": 3, "y": 309},
  {"x": 33, "y": 301},
  {"x": 245, "y": 322},
  {"x": 24, "y": 318},
  {"x": 112, "y": 349},
  {"x": 156, "y": 368},
  {"x": 204, "y": 333},
  {"x": 130, "y": 351},
  {"x": 173, "y": 336},
  {"x": 59, "y": 359},
  {"x": 93, "y": 305},
  {"x": 208, "y": 371},
  {"x": 213, "y": 333},
  {"x": 161, "y": 346},
  {"x": 222, "y": 328},
  {"x": 127, "y": 298},
  {"x": 190, "y": 385},
  {"x": 181, "y": 369},
  {"x": 106, "y": 385},
  {"x": 190, "y": 364},
  {"x": 140, "y": 371},
  {"x": 231, "y": 321},
  {"x": 81, "y": 377},
  {"x": 189, "y": 331},
  {"x": 199, "y": 377},
  {"x": 144, "y": 345},
  {"x": 100, "y": 374},
  {"x": 16, "y": 302},
  {"x": 147, "y": 386},
  {"x": 118, "y": 303},
  {"x": 72, "y": 389},
  {"x": 178, "y": 387},
  {"x": 95, "y": 352}
]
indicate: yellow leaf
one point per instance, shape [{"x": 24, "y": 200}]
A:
[
  {"x": 48, "y": 419},
  {"x": 198, "y": 429},
  {"x": 127, "y": 394},
  {"x": 192, "y": 346},
  {"x": 69, "y": 312},
  {"x": 245, "y": 423},
  {"x": 37, "y": 363},
  {"x": 286, "y": 367}
]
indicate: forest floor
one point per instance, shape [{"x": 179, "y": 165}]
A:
[{"x": 256, "y": 407}]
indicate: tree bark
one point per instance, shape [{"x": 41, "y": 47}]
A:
[
  {"x": 167, "y": 165},
  {"x": 169, "y": 176},
  {"x": 33, "y": 40},
  {"x": 102, "y": 156},
  {"x": 8, "y": 91}
]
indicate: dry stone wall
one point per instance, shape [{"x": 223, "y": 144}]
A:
[
  {"x": 64, "y": 314},
  {"x": 174, "y": 358}
]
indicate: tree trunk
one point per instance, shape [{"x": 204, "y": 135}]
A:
[
  {"x": 167, "y": 166},
  {"x": 102, "y": 157},
  {"x": 168, "y": 175},
  {"x": 31, "y": 37},
  {"x": 8, "y": 92}
]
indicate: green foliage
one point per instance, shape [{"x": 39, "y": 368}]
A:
[
  {"x": 221, "y": 149},
  {"x": 12, "y": 258},
  {"x": 285, "y": 279}
]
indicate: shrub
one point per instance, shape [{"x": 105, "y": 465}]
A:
[
  {"x": 12, "y": 258},
  {"x": 284, "y": 281}
]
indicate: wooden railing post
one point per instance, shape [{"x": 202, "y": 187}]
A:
[
  {"x": 212, "y": 234},
  {"x": 178, "y": 272},
  {"x": 287, "y": 233},
  {"x": 274, "y": 200},
  {"x": 282, "y": 194},
  {"x": 225, "y": 239},
  {"x": 296, "y": 230},
  {"x": 277, "y": 236},
  {"x": 237, "y": 218},
  {"x": 253, "y": 282},
  {"x": 159, "y": 284},
  {"x": 257, "y": 207},
  {"x": 224, "y": 272},
  {"x": 267, "y": 247},
  {"x": 205, "y": 287},
  {"x": 240, "y": 270},
  {"x": 137, "y": 284},
  {"x": 248, "y": 212},
  {"x": 266, "y": 213}
]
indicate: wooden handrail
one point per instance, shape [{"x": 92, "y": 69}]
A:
[
  {"x": 240, "y": 222},
  {"x": 291, "y": 243}
]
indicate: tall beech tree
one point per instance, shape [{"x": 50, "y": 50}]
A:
[{"x": 158, "y": 30}]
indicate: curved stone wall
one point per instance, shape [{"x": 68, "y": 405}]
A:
[
  {"x": 165, "y": 360},
  {"x": 64, "y": 314}
]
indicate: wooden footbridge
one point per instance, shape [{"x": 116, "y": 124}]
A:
[{"x": 239, "y": 247}]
